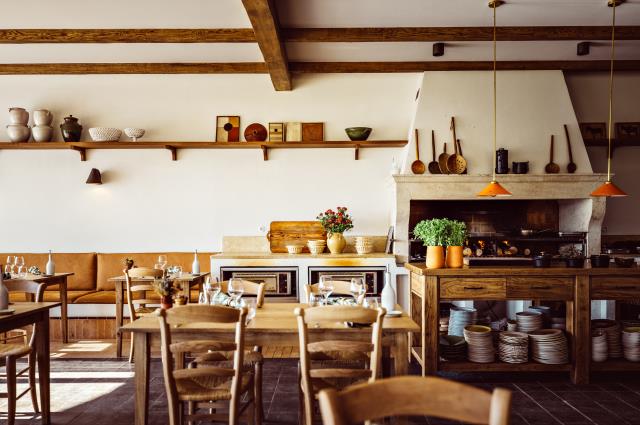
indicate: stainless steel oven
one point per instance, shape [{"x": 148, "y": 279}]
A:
[
  {"x": 373, "y": 276},
  {"x": 279, "y": 281}
]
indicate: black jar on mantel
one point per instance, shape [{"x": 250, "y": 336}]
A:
[
  {"x": 71, "y": 129},
  {"x": 502, "y": 161}
]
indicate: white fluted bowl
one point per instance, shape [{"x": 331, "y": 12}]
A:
[
  {"x": 134, "y": 133},
  {"x": 105, "y": 134}
]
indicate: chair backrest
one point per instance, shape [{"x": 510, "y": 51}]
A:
[
  {"x": 34, "y": 289},
  {"x": 340, "y": 287},
  {"x": 200, "y": 313},
  {"x": 415, "y": 396},
  {"x": 250, "y": 288},
  {"x": 327, "y": 350},
  {"x": 140, "y": 288}
]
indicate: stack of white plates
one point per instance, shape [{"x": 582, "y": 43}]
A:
[
  {"x": 452, "y": 347},
  {"x": 479, "y": 344},
  {"x": 444, "y": 325},
  {"x": 549, "y": 346},
  {"x": 529, "y": 321},
  {"x": 459, "y": 318},
  {"x": 631, "y": 343},
  {"x": 599, "y": 351},
  {"x": 513, "y": 347},
  {"x": 612, "y": 329}
]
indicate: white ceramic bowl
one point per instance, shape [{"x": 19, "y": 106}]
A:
[
  {"x": 294, "y": 249},
  {"x": 105, "y": 134},
  {"x": 134, "y": 133}
]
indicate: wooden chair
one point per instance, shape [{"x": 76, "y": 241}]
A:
[
  {"x": 415, "y": 396},
  {"x": 340, "y": 287},
  {"x": 252, "y": 359},
  {"x": 11, "y": 350},
  {"x": 137, "y": 295},
  {"x": 336, "y": 363},
  {"x": 205, "y": 386}
]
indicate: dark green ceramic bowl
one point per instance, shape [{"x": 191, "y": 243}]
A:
[{"x": 358, "y": 134}]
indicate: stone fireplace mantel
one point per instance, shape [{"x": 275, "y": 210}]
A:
[{"x": 578, "y": 210}]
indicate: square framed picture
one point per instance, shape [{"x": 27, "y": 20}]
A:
[
  {"x": 293, "y": 132},
  {"x": 593, "y": 131},
  {"x": 276, "y": 132},
  {"x": 628, "y": 130},
  {"x": 313, "y": 132},
  {"x": 228, "y": 128}
]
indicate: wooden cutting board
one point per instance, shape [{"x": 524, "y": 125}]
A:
[{"x": 283, "y": 233}]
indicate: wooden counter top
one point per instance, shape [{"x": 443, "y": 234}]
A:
[
  {"x": 272, "y": 255},
  {"x": 421, "y": 269}
]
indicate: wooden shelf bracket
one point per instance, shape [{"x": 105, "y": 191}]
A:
[
  {"x": 82, "y": 151},
  {"x": 265, "y": 152},
  {"x": 174, "y": 152},
  {"x": 357, "y": 151}
]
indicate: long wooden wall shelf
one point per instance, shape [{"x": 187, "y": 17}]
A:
[{"x": 173, "y": 147}]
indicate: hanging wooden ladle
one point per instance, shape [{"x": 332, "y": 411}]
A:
[
  {"x": 417, "y": 166},
  {"x": 442, "y": 160},
  {"x": 551, "y": 167},
  {"x": 456, "y": 164},
  {"x": 433, "y": 166},
  {"x": 571, "y": 166}
]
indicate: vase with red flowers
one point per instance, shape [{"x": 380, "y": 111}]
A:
[{"x": 335, "y": 223}]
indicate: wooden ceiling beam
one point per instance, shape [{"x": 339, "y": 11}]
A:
[
  {"x": 264, "y": 20},
  {"x": 386, "y": 67},
  {"x": 157, "y": 35},
  {"x": 434, "y": 34},
  {"x": 133, "y": 68}
]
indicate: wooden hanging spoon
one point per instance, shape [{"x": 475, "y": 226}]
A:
[
  {"x": 571, "y": 166},
  {"x": 433, "y": 166},
  {"x": 417, "y": 166},
  {"x": 551, "y": 167}
]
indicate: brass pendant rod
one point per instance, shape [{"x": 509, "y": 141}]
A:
[
  {"x": 495, "y": 108},
  {"x": 613, "y": 52}
]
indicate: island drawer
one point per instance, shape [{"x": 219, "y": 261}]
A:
[
  {"x": 540, "y": 288},
  {"x": 615, "y": 288},
  {"x": 454, "y": 288}
]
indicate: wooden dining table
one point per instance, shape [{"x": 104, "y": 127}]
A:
[
  {"x": 186, "y": 280},
  {"x": 273, "y": 325},
  {"x": 59, "y": 279},
  {"x": 30, "y": 313}
]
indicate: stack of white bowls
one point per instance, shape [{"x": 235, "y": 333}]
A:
[
  {"x": 459, "y": 318},
  {"x": 549, "y": 346},
  {"x": 18, "y": 131},
  {"x": 599, "y": 351},
  {"x": 529, "y": 321},
  {"x": 611, "y": 328},
  {"x": 42, "y": 131},
  {"x": 513, "y": 347},
  {"x": 479, "y": 344},
  {"x": 364, "y": 245},
  {"x": 316, "y": 246},
  {"x": 631, "y": 343}
]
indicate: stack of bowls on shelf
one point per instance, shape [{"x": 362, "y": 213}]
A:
[
  {"x": 316, "y": 246},
  {"x": 549, "y": 346},
  {"x": 631, "y": 343},
  {"x": 18, "y": 131},
  {"x": 364, "y": 245},
  {"x": 479, "y": 344},
  {"x": 42, "y": 131},
  {"x": 599, "y": 351},
  {"x": 546, "y": 313},
  {"x": 529, "y": 321},
  {"x": 453, "y": 348},
  {"x": 459, "y": 318},
  {"x": 444, "y": 325},
  {"x": 513, "y": 347},
  {"x": 612, "y": 329}
]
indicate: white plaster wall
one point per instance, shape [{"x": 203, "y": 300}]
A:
[
  {"x": 532, "y": 105},
  {"x": 590, "y": 96},
  {"x": 149, "y": 202}
]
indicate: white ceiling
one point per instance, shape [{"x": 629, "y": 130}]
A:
[{"x": 308, "y": 13}]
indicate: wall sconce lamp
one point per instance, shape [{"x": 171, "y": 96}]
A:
[{"x": 94, "y": 177}]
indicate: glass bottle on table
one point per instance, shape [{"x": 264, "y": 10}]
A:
[{"x": 325, "y": 288}]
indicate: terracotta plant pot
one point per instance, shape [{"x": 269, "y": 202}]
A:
[
  {"x": 454, "y": 257},
  {"x": 435, "y": 257},
  {"x": 336, "y": 243},
  {"x": 166, "y": 302}
]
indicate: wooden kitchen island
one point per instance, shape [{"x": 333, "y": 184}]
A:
[{"x": 575, "y": 287}]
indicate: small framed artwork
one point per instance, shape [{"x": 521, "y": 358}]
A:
[
  {"x": 293, "y": 132},
  {"x": 593, "y": 131},
  {"x": 313, "y": 132},
  {"x": 628, "y": 130},
  {"x": 276, "y": 132},
  {"x": 228, "y": 128}
]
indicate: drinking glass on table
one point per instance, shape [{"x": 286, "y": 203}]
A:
[
  {"x": 203, "y": 298},
  {"x": 235, "y": 289},
  {"x": 371, "y": 302},
  {"x": 213, "y": 288},
  {"x": 357, "y": 289},
  {"x": 250, "y": 304},
  {"x": 19, "y": 263},
  {"x": 162, "y": 260},
  {"x": 325, "y": 288},
  {"x": 8, "y": 268}
]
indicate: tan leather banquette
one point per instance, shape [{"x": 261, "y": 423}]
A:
[{"x": 90, "y": 283}]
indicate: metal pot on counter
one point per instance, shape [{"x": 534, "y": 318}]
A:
[{"x": 520, "y": 167}]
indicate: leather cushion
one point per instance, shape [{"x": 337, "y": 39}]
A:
[
  {"x": 49, "y": 296},
  {"x": 109, "y": 297},
  {"x": 82, "y": 265},
  {"x": 111, "y": 265}
]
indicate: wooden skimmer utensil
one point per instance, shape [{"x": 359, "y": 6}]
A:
[
  {"x": 456, "y": 164},
  {"x": 417, "y": 166},
  {"x": 551, "y": 167},
  {"x": 442, "y": 160},
  {"x": 571, "y": 166},
  {"x": 433, "y": 166}
]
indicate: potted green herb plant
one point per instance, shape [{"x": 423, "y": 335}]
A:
[
  {"x": 433, "y": 234},
  {"x": 456, "y": 236}
]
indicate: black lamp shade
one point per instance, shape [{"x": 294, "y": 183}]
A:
[{"x": 94, "y": 177}]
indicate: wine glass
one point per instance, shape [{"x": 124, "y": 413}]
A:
[
  {"x": 325, "y": 287},
  {"x": 213, "y": 289},
  {"x": 203, "y": 298},
  {"x": 8, "y": 268},
  {"x": 162, "y": 260},
  {"x": 357, "y": 289},
  {"x": 235, "y": 289},
  {"x": 251, "y": 309},
  {"x": 19, "y": 263}
]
